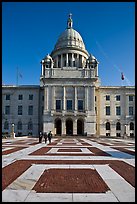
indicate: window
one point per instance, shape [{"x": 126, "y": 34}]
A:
[
  {"x": 80, "y": 105},
  {"x": 69, "y": 104},
  {"x": 58, "y": 105},
  {"x": 130, "y": 98},
  {"x": 7, "y": 110},
  {"x": 96, "y": 110},
  {"x": 130, "y": 110},
  {"x": 131, "y": 126},
  {"x": 107, "y": 126},
  {"x": 43, "y": 98},
  {"x": 30, "y": 110},
  {"x": 107, "y": 97},
  {"x": 107, "y": 110},
  {"x": 19, "y": 110},
  {"x": 74, "y": 64},
  {"x": 20, "y": 97},
  {"x": 118, "y": 110},
  {"x": 117, "y": 97},
  {"x": 19, "y": 126},
  {"x": 118, "y": 134},
  {"x": 31, "y": 97},
  {"x": 95, "y": 98},
  {"x": 30, "y": 125},
  {"x": 7, "y": 96},
  {"x": 6, "y": 125},
  {"x": 118, "y": 126}
]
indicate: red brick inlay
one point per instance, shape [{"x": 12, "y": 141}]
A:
[
  {"x": 41, "y": 151},
  {"x": 9, "y": 151},
  {"x": 70, "y": 181},
  {"x": 14, "y": 170},
  {"x": 69, "y": 150}
]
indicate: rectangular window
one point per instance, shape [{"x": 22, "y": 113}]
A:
[
  {"x": 30, "y": 110},
  {"x": 107, "y": 97},
  {"x": 69, "y": 104},
  {"x": 80, "y": 105},
  {"x": 31, "y": 97},
  {"x": 117, "y": 97},
  {"x": 107, "y": 110},
  {"x": 118, "y": 110},
  {"x": 19, "y": 110},
  {"x": 43, "y": 98},
  {"x": 96, "y": 110},
  {"x": 7, "y": 110},
  {"x": 95, "y": 98},
  {"x": 58, "y": 105},
  {"x": 130, "y": 110},
  {"x": 20, "y": 97},
  {"x": 7, "y": 97},
  {"x": 130, "y": 98}
]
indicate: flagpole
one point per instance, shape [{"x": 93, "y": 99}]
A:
[{"x": 17, "y": 77}]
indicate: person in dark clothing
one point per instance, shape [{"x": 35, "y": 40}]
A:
[
  {"x": 45, "y": 137},
  {"x": 49, "y": 136},
  {"x": 40, "y": 137}
]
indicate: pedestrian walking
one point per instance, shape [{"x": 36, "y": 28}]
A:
[
  {"x": 49, "y": 136},
  {"x": 45, "y": 137},
  {"x": 40, "y": 137}
]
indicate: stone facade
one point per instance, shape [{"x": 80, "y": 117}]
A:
[{"x": 70, "y": 100}]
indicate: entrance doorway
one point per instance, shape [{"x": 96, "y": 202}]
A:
[
  {"x": 69, "y": 127},
  {"x": 58, "y": 126},
  {"x": 80, "y": 127}
]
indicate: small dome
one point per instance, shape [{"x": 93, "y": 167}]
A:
[{"x": 48, "y": 58}]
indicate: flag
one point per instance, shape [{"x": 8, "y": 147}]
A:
[
  {"x": 20, "y": 75},
  {"x": 122, "y": 76}
]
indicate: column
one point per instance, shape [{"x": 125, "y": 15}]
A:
[
  {"x": 63, "y": 127},
  {"x": 64, "y": 98},
  {"x": 57, "y": 61},
  {"x": 75, "y": 127},
  {"x": 76, "y": 101},
  {"x": 53, "y": 98},
  {"x": 86, "y": 98},
  {"x": 46, "y": 107},
  {"x": 67, "y": 60},
  {"x": 93, "y": 99},
  {"x": 42, "y": 71},
  {"x": 61, "y": 60},
  {"x": 72, "y": 59},
  {"x": 77, "y": 60}
]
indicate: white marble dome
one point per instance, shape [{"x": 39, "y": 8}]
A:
[{"x": 70, "y": 38}]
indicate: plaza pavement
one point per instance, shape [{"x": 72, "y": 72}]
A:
[{"x": 70, "y": 153}]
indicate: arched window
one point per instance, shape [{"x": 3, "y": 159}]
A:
[
  {"x": 6, "y": 125},
  {"x": 107, "y": 126},
  {"x": 118, "y": 126},
  {"x": 30, "y": 125},
  {"x": 19, "y": 126},
  {"x": 131, "y": 126}
]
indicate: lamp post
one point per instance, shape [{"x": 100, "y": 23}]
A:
[
  {"x": 125, "y": 134},
  {"x": 12, "y": 131}
]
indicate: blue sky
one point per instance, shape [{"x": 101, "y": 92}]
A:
[{"x": 31, "y": 29}]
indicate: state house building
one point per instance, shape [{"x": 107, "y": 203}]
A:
[{"x": 69, "y": 99}]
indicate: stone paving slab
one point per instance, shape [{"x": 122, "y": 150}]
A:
[{"x": 21, "y": 189}]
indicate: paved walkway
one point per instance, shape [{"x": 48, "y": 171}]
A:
[{"x": 71, "y": 169}]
